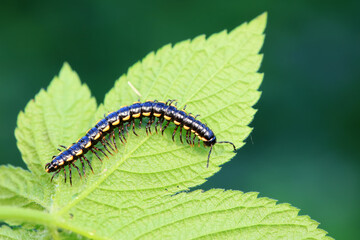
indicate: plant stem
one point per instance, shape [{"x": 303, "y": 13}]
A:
[{"x": 43, "y": 218}]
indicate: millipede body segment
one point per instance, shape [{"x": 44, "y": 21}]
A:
[{"x": 155, "y": 111}]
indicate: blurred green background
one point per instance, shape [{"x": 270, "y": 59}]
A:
[{"x": 305, "y": 148}]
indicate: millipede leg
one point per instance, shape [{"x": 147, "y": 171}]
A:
[
  {"x": 87, "y": 160},
  {"x": 156, "y": 124},
  {"x": 121, "y": 131},
  {"x": 181, "y": 140},
  {"x": 103, "y": 143},
  {"x": 193, "y": 140},
  {"x": 190, "y": 137},
  {"x": 83, "y": 166},
  {"x": 109, "y": 143},
  {"x": 54, "y": 174},
  {"x": 152, "y": 122},
  {"x": 99, "y": 149},
  {"x": 62, "y": 147},
  {"x": 148, "y": 125},
  {"x": 133, "y": 127},
  {"x": 96, "y": 154},
  {"x": 114, "y": 142},
  {"x": 72, "y": 164},
  {"x": 111, "y": 134},
  {"x": 106, "y": 141},
  {"x": 161, "y": 121},
  {"x": 65, "y": 174},
  {"x": 122, "y": 134},
  {"x": 102, "y": 151},
  {"x": 126, "y": 128},
  {"x": 70, "y": 175},
  {"x": 140, "y": 122},
  {"x": 198, "y": 142},
  {"x": 166, "y": 125},
  {"x": 173, "y": 135},
  {"x": 171, "y": 101},
  {"x": 187, "y": 136}
]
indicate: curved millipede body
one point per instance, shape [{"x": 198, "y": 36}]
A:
[{"x": 157, "y": 112}]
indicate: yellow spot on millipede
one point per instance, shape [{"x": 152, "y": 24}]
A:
[
  {"x": 106, "y": 128},
  {"x": 116, "y": 122},
  {"x": 79, "y": 153},
  {"x": 97, "y": 136}
]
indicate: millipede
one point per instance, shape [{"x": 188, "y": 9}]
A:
[{"x": 157, "y": 113}]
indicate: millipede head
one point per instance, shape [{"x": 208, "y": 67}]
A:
[
  {"x": 211, "y": 142},
  {"x": 51, "y": 167},
  {"x": 47, "y": 167},
  {"x": 55, "y": 164}
]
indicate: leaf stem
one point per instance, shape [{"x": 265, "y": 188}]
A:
[{"x": 43, "y": 218}]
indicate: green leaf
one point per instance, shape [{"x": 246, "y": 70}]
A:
[
  {"x": 212, "y": 214},
  {"x": 217, "y": 214},
  {"x": 21, "y": 188},
  {"x": 136, "y": 193},
  {"x": 6, "y": 233},
  {"x": 57, "y": 116}
]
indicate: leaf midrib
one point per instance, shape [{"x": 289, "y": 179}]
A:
[{"x": 96, "y": 183}]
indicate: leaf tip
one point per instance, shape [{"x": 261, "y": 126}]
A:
[
  {"x": 65, "y": 67},
  {"x": 258, "y": 24},
  {"x": 67, "y": 74}
]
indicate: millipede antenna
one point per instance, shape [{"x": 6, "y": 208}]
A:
[
  {"x": 207, "y": 165},
  {"x": 229, "y": 143}
]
